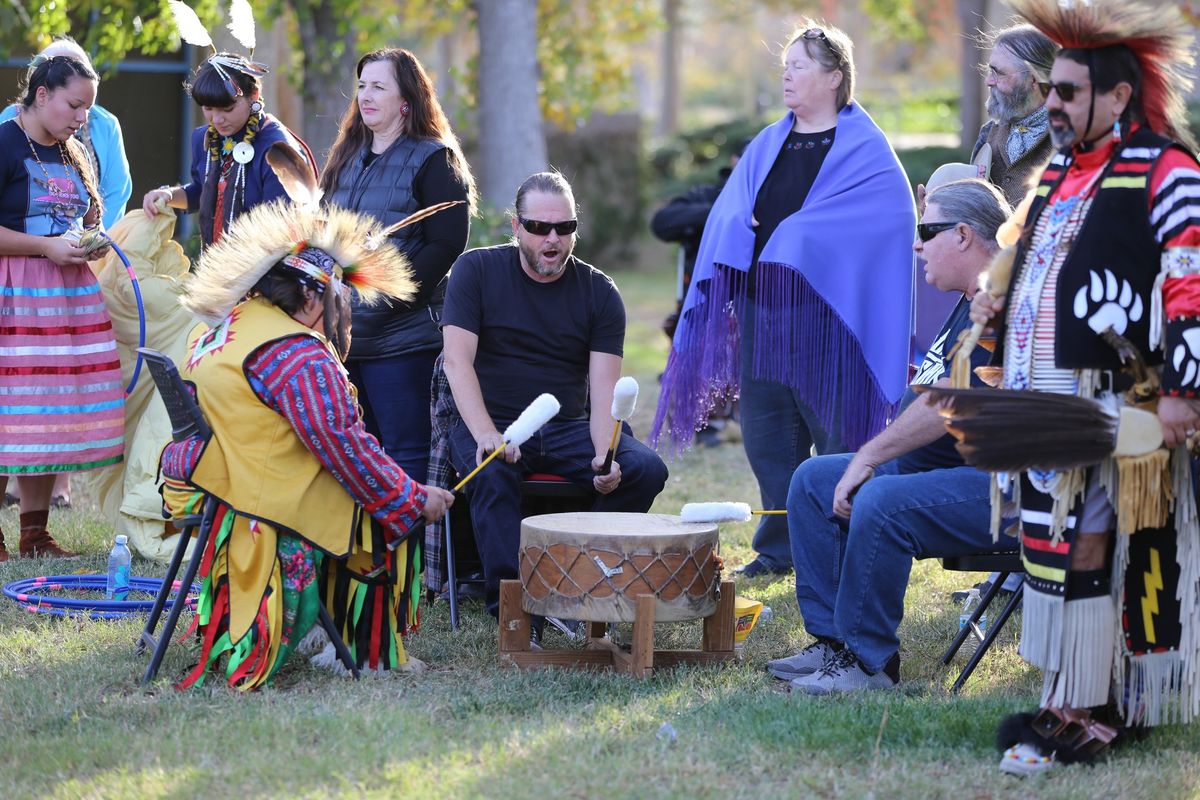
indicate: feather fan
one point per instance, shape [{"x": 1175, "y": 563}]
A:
[
  {"x": 295, "y": 173},
  {"x": 1002, "y": 430}
]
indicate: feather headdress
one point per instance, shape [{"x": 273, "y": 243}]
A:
[
  {"x": 1158, "y": 36},
  {"x": 241, "y": 23},
  {"x": 269, "y": 233},
  {"x": 241, "y": 26}
]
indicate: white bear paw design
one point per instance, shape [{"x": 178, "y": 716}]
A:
[
  {"x": 1185, "y": 358},
  {"x": 1107, "y": 302}
]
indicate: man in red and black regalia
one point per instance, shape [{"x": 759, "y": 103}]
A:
[{"x": 1112, "y": 239}]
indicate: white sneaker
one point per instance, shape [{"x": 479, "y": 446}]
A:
[
  {"x": 845, "y": 673},
  {"x": 806, "y": 662}
]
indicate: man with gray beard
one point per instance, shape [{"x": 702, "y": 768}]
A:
[{"x": 1015, "y": 144}]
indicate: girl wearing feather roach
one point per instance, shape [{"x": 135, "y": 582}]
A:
[{"x": 229, "y": 173}]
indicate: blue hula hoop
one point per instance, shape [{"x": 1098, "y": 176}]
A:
[
  {"x": 22, "y": 593},
  {"x": 137, "y": 295}
]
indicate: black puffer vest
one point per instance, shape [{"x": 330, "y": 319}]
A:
[{"x": 384, "y": 189}]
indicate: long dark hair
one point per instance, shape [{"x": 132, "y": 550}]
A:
[
  {"x": 425, "y": 120},
  {"x": 55, "y": 73}
]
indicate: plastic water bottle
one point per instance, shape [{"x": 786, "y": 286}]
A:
[
  {"x": 119, "y": 559},
  {"x": 979, "y": 629}
]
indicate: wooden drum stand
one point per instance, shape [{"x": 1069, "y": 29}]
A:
[{"x": 617, "y": 567}]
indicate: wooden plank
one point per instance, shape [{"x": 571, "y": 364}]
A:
[
  {"x": 666, "y": 659},
  {"x": 532, "y": 659},
  {"x": 514, "y": 622},
  {"x": 718, "y": 629},
  {"x": 641, "y": 652}
]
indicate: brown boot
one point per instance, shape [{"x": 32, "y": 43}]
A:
[
  {"x": 36, "y": 541},
  {"x": 3, "y": 549}
]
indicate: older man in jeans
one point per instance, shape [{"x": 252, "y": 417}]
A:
[{"x": 858, "y": 520}]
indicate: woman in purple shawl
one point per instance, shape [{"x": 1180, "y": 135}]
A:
[{"x": 801, "y": 298}]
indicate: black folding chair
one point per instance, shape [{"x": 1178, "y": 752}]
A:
[
  {"x": 186, "y": 421},
  {"x": 1004, "y": 562}
]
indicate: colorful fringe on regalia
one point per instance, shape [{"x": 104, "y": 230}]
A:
[{"x": 374, "y": 602}]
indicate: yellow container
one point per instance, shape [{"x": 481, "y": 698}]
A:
[{"x": 745, "y": 614}]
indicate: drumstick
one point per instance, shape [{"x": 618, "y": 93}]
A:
[
  {"x": 723, "y": 512},
  {"x": 624, "y": 399},
  {"x": 535, "y": 415}
]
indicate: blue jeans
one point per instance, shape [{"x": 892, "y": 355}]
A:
[
  {"x": 559, "y": 448},
  {"x": 779, "y": 432},
  {"x": 395, "y": 395},
  {"x": 851, "y": 576}
]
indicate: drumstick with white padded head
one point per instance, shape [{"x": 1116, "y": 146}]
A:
[
  {"x": 535, "y": 415},
  {"x": 624, "y": 401},
  {"x": 723, "y": 512}
]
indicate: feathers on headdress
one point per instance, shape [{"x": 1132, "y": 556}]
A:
[
  {"x": 416, "y": 217},
  {"x": 190, "y": 28},
  {"x": 1158, "y": 36},
  {"x": 241, "y": 23},
  {"x": 260, "y": 238}
]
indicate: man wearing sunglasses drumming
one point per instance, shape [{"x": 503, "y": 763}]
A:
[
  {"x": 1112, "y": 240},
  {"x": 525, "y": 318}
]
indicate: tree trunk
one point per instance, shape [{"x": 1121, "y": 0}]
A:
[
  {"x": 512, "y": 144},
  {"x": 971, "y": 17},
  {"x": 672, "y": 39},
  {"x": 328, "y": 74}
]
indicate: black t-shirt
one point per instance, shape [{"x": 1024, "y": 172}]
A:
[
  {"x": 533, "y": 337},
  {"x": 940, "y": 454},
  {"x": 31, "y": 202},
  {"x": 786, "y": 186}
]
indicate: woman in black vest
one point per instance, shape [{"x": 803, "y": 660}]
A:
[{"x": 395, "y": 154}]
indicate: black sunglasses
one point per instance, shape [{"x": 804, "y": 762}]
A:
[
  {"x": 1066, "y": 90},
  {"x": 817, "y": 33},
  {"x": 539, "y": 228},
  {"x": 928, "y": 230}
]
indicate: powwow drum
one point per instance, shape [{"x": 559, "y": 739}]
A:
[{"x": 593, "y": 566}]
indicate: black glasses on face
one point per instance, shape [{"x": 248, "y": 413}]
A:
[
  {"x": 928, "y": 230},
  {"x": 1066, "y": 90},
  {"x": 539, "y": 228}
]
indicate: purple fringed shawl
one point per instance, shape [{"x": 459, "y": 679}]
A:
[{"x": 833, "y": 296}]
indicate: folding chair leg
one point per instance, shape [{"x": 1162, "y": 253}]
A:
[
  {"x": 335, "y": 636},
  {"x": 189, "y": 575},
  {"x": 147, "y": 638},
  {"x": 980, "y": 610},
  {"x": 993, "y": 632},
  {"x": 451, "y": 572}
]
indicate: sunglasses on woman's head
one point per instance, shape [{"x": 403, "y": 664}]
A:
[
  {"x": 816, "y": 33},
  {"x": 539, "y": 228}
]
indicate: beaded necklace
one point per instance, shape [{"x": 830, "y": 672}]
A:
[
  {"x": 223, "y": 156},
  {"x": 62, "y": 151}
]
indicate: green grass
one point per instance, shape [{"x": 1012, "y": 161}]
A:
[{"x": 74, "y": 721}]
